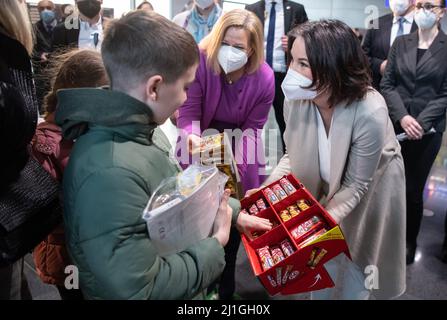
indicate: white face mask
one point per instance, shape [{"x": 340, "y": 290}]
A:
[
  {"x": 202, "y": 4},
  {"x": 399, "y": 7},
  {"x": 231, "y": 59},
  {"x": 293, "y": 84},
  {"x": 425, "y": 19}
]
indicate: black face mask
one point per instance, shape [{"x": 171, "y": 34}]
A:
[{"x": 89, "y": 8}]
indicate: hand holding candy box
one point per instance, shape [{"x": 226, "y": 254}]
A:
[{"x": 289, "y": 258}]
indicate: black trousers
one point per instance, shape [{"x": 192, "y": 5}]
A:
[
  {"x": 418, "y": 158},
  {"x": 278, "y": 105}
]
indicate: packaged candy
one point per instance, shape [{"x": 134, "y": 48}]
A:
[
  {"x": 320, "y": 256},
  {"x": 312, "y": 256},
  {"x": 277, "y": 255},
  {"x": 286, "y": 274},
  {"x": 287, "y": 248},
  {"x": 312, "y": 238},
  {"x": 253, "y": 210},
  {"x": 303, "y": 205},
  {"x": 278, "y": 275},
  {"x": 271, "y": 195},
  {"x": 285, "y": 216},
  {"x": 261, "y": 204},
  {"x": 293, "y": 210},
  {"x": 305, "y": 227},
  {"x": 280, "y": 193},
  {"x": 265, "y": 257},
  {"x": 272, "y": 281},
  {"x": 287, "y": 186}
]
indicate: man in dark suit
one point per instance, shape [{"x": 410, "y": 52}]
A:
[
  {"x": 43, "y": 30},
  {"x": 285, "y": 15},
  {"x": 382, "y": 33},
  {"x": 85, "y": 31}
]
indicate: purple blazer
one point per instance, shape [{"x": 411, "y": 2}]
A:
[{"x": 204, "y": 97}]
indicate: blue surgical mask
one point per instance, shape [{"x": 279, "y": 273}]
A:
[
  {"x": 47, "y": 16},
  {"x": 425, "y": 19}
]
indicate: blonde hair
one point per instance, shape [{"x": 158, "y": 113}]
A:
[
  {"x": 238, "y": 18},
  {"x": 16, "y": 24}
]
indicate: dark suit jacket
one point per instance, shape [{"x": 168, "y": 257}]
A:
[
  {"x": 377, "y": 45},
  {"x": 294, "y": 13},
  {"x": 63, "y": 37},
  {"x": 417, "y": 89},
  {"x": 44, "y": 39}
]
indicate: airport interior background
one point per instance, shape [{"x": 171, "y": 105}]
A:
[{"x": 427, "y": 277}]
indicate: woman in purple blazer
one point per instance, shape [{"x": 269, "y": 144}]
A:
[
  {"x": 233, "y": 92},
  {"x": 233, "y": 89}
]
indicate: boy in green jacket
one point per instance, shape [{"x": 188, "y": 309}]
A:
[{"x": 120, "y": 158}]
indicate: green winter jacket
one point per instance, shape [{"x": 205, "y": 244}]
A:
[{"x": 118, "y": 160}]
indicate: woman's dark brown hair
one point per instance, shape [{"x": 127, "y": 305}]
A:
[
  {"x": 336, "y": 59},
  {"x": 75, "y": 69}
]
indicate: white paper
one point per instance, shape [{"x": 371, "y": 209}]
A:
[{"x": 179, "y": 224}]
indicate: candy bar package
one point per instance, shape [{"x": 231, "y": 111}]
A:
[
  {"x": 290, "y": 258},
  {"x": 216, "y": 150}
]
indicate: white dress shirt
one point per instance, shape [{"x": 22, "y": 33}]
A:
[
  {"x": 86, "y": 35},
  {"x": 408, "y": 22},
  {"x": 324, "y": 149},
  {"x": 279, "y": 56}
]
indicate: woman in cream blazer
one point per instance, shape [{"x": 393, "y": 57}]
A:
[{"x": 341, "y": 145}]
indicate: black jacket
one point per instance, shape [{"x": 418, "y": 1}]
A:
[
  {"x": 377, "y": 45},
  {"x": 294, "y": 13},
  {"x": 18, "y": 108},
  {"x": 417, "y": 89},
  {"x": 44, "y": 39}
]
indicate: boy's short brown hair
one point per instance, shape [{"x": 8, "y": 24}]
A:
[{"x": 142, "y": 44}]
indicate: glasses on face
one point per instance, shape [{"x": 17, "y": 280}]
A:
[{"x": 427, "y": 6}]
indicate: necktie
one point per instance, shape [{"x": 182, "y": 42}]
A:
[
  {"x": 95, "y": 39},
  {"x": 271, "y": 35},
  {"x": 400, "y": 31}
]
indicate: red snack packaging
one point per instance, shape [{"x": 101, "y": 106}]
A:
[
  {"x": 271, "y": 195},
  {"x": 312, "y": 238},
  {"x": 253, "y": 209},
  {"x": 261, "y": 204},
  {"x": 287, "y": 248},
  {"x": 305, "y": 227},
  {"x": 277, "y": 255},
  {"x": 266, "y": 258},
  {"x": 287, "y": 186},
  {"x": 279, "y": 192}
]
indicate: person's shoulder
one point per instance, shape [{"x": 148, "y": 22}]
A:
[
  {"x": 38, "y": 25},
  {"x": 180, "y": 18},
  {"x": 380, "y": 23},
  {"x": 405, "y": 38},
  {"x": 254, "y": 5},
  {"x": 294, "y": 4},
  {"x": 372, "y": 103},
  {"x": 265, "y": 71},
  {"x": 16, "y": 56},
  {"x": 386, "y": 17}
]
